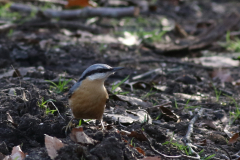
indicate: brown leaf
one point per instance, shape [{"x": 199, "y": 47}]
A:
[
  {"x": 209, "y": 123},
  {"x": 237, "y": 82},
  {"x": 17, "y": 153},
  {"x": 202, "y": 143},
  {"x": 151, "y": 158},
  {"x": 52, "y": 145},
  {"x": 168, "y": 115},
  {"x": 233, "y": 139},
  {"x": 140, "y": 150},
  {"x": 77, "y": 135},
  {"x": 77, "y": 3},
  {"x": 16, "y": 73},
  {"x": 138, "y": 136},
  {"x": 222, "y": 74}
]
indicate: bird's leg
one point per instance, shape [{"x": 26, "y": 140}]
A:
[
  {"x": 101, "y": 121},
  {"x": 68, "y": 126},
  {"x": 102, "y": 125}
]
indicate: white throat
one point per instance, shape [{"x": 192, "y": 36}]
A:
[{"x": 102, "y": 76}]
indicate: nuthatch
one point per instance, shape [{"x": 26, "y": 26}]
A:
[{"x": 87, "y": 97}]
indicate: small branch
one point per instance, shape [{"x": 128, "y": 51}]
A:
[
  {"x": 228, "y": 155},
  {"x": 187, "y": 139},
  {"x": 157, "y": 71},
  {"x": 164, "y": 155},
  {"x": 57, "y": 110},
  {"x": 79, "y": 13},
  {"x": 157, "y": 107}
]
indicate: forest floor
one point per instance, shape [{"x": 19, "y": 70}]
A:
[{"x": 176, "y": 98}]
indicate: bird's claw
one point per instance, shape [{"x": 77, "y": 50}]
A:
[{"x": 68, "y": 126}]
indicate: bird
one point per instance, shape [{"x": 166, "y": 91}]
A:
[{"x": 88, "y": 96}]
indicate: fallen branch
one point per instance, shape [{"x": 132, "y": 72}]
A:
[{"x": 79, "y": 13}]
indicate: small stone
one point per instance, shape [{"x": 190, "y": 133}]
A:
[
  {"x": 12, "y": 92},
  {"x": 40, "y": 68},
  {"x": 186, "y": 79}
]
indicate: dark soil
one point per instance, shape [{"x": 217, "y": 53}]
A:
[{"x": 20, "y": 96}]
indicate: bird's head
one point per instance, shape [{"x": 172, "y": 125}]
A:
[
  {"x": 98, "y": 72},
  {"x": 94, "y": 72}
]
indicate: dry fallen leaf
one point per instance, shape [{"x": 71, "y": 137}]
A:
[
  {"x": 77, "y": 135},
  {"x": 131, "y": 116},
  {"x": 237, "y": 82},
  {"x": 140, "y": 150},
  {"x": 222, "y": 74},
  {"x": 53, "y": 145},
  {"x": 202, "y": 143},
  {"x": 208, "y": 123},
  {"x": 138, "y": 136},
  {"x": 168, "y": 115},
  {"x": 233, "y": 139},
  {"x": 17, "y": 154}
]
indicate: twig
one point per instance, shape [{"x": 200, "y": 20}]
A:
[
  {"x": 187, "y": 139},
  {"x": 164, "y": 155},
  {"x": 121, "y": 124},
  {"x": 236, "y": 154},
  {"x": 57, "y": 110},
  {"x": 225, "y": 152},
  {"x": 156, "y": 71},
  {"x": 156, "y": 108},
  {"x": 79, "y": 13}
]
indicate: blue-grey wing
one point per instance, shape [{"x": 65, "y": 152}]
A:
[{"x": 73, "y": 89}]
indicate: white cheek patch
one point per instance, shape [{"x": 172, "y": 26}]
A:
[{"x": 98, "y": 76}]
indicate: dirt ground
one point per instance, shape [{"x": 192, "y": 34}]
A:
[{"x": 170, "y": 90}]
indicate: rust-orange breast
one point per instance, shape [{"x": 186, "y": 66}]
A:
[{"x": 88, "y": 101}]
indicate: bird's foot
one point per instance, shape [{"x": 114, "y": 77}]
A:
[
  {"x": 103, "y": 128},
  {"x": 68, "y": 126}
]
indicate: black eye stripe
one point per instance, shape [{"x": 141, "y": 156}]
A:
[{"x": 99, "y": 70}]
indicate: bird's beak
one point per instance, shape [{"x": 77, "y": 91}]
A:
[{"x": 117, "y": 68}]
